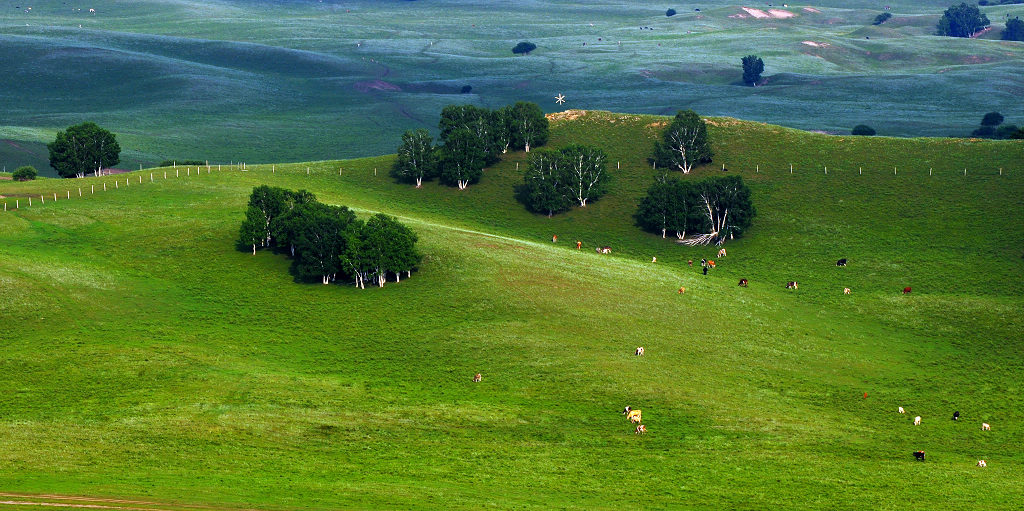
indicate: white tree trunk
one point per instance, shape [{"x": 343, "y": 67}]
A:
[
  {"x": 253, "y": 249},
  {"x": 419, "y": 182},
  {"x": 663, "y": 231},
  {"x": 527, "y": 147},
  {"x": 326, "y": 279}
]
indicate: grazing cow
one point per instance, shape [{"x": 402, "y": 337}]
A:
[
  {"x": 478, "y": 378},
  {"x": 579, "y": 244},
  {"x": 919, "y": 455},
  {"x": 690, "y": 262},
  {"x": 841, "y": 262},
  {"x": 641, "y": 429},
  {"x": 906, "y": 290},
  {"x": 704, "y": 263},
  {"x": 917, "y": 420},
  {"x": 604, "y": 250},
  {"x": 791, "y": 285},
  {"x": 743, "y": 283},
  {"x": 639, "y": 351},
  {"x": 985, "y": 427},
  {"x": 721, "y": 252},
  {"x": 901, "y": 410},
  {"x": 846, "y": 290},
  {"x": 956, "y": 415},
  {"x": 711, "y": 263},
  {"x": 682, "y": 290},
  {"x": 654, "y": 259},
  {"x": 626, "y": 410},
  {"x": 981, "y": 463},
  {"x": 634, "y": 416}
]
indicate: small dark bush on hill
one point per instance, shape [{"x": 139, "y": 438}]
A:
[
  {"x": 863, "y": 130},
  {"x": 984, "y": 132},
  {"x": 524, "y": 47},
  {"x": 670, "y": 12},
  {"x": 881, "y": 18},
  {"x": 25, "y": 173},
  {"x": 465, "y": 89},
  {"x": 1014, "y": 30}
]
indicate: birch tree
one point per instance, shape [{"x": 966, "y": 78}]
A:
[
  {"x": 462, "y": 158},
  {"x": 725, "y": 210},
  {"x": 252, "y": 230},
  {"x": 83, "y": 148},
  {"x": 586, "y": 177},
  {"x": 684, "y": 143},
  {"x": 668, "y": 206},
  {"x": 530, "y": 126},
  {"x": 321, "y": 240},
  {"x": 417, "y": 159},
  {"x": 544, "y": 184}
]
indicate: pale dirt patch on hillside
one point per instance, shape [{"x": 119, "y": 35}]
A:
[
  {"x": 812, "y": 9},
  {"x": 567, "y": 115},
  {"x": 757, "y": 13},
  {"x": 816, "y": 45},
  {"x": 780, "y": 14}
]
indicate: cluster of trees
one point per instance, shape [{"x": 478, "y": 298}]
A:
[
  {"x": 83, "y": 148},
  {"x": 718, "y": 209},
  {"x": 471, "y": 138},
  {"x": 992, "y": 127},
  {"x": 1014, "y": 30},
  {"x": 863, "y": 130},
  {"x": 962, "y": 21},
  {"x": 753, "y": 66},
  {"x": 327, "y": 241},
  {"x": 881, "y": 18},
  {"x": 684, "y": 143},
  {"x": 555, "y": 181},
  {"x": 24, "y": 173}
]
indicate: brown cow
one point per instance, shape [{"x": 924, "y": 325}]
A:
[
  {"x": 477, "y": 378},
  {"x": 604, "y": 250},
  {"x": 641, "y": 429},
  {"x": 711, "y": 263},
  {"x": 906, "y": 290},
  {"x": 743, "y": 283},
  {"x": 634, "y": 416},
  {"x": 791, "y": 285}
]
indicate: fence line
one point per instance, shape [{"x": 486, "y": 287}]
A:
[{"x": 243, "y": 167}]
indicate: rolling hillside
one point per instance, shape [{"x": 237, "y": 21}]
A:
[{"x": 145, "y": 358}]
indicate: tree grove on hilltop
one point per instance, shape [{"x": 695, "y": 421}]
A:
[
  {"x": 327, "y": 241},
  {"x": 555, "y": 181},
  {"x": 684, "y": 143},
  {"x": 753, "y": 66},
  {"x": 529, "y": 126},
  {"x": 83, "y": 148},
  {"x": 962, "y": 21},
  {"x": 463, "y": 156},
  {"x": 718, "y": 208},
  {"x": 417, "y": 158}
]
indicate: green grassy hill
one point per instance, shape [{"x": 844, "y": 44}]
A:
[{"x": 144, "y": 357}]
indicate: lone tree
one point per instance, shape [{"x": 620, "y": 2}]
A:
[
  {"x": 417, "y": 159},
  {"x": 881, "y": 18},
  {"x": 684, "y": 144},
  {"x": 83, "y": 148},
  {"x": 753, "y": 66},
  {"x": 670, "y": 13},
  {"x": 992, "y": 119},
  {"x": 863, "y": 130},
  {"x": 962, "y": 21},
  {"x": 24, "y": 173},
  {"x": 1014, "y": 30},
  {"x": 524, "y": 47}
]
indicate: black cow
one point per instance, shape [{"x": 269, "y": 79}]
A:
[
  {"x": 956, "y": 416},
  {"x": 841, "y": 262},
  {"x": 743, "y": 282},
  {"x": 919, "y": 455}
]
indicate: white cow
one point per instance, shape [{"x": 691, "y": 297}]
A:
[
  {"x": 901, "y": 410},
  {"x": 985, "y": 427},
  {"x": 917, "y": 420},
  {"x": 981, "y": 463},
  {"x": 639, "y": 351}
]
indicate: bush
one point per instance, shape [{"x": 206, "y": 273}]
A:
[
  {"x": 670, "y": 13},
  {"x": 1014, "y": 30},
  {"x": 984, "y": 132},
  {"x": 465, "y": 89},
  {"x": 1005, "y": 131},
  {"x": 26, "y": 173},
  {"x": 881, "y": 18},
  {"x": 962, "y": 21},
  {"x": 992, "y": 119},
  {"x": 171, "y": 163},
  {"x": 753, "y": 66},
  {"x": 524, "y": 47},
  {"x": 863, "y": 130}
]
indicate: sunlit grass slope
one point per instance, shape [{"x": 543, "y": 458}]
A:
[{"x": 143, "y": 356}]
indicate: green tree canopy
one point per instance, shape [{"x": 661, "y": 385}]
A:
[
  {"x": 1005, "y": 131},
  {"x": 1014, "y": 30},
  {"x": 718, "y": 208},
  {"x": 417, "y": 158},
  {"x": 385, "y": 247},
  {"x": 670, "y": 205},
  {"x": 881, "y": 18},
  {"x": 83, "y": 148},
  {"x": 585, "y": 175},
  {"x": 962, "y": 21},
  {"x": 321, "y": 240},
  {"x": 992, "y": 119},
  {"x": 753, "y": 66},
  {"x": 544, "y": 186},
  {"x": 24, "y": 173},
  {"x": 529, "y": 126},
  {"x": 684, "y": 143},
  {"x": 463, "y": 157},
  {"x": 670, "y": 12}
]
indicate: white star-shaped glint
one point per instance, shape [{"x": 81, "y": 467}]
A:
[{"x": 559, "y": 99}]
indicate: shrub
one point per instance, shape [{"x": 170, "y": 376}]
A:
[
  {"x": 524, "y": 47},
  {"x": 984, "y": 132},
  {"x": 863, "y": 130},
  {"x": 881, "y": 18},
  {"x": 753, "y": 66},
  {"x": 1014, "y": 30},
  {"x": 465, "y": 89},
  {"x": 670, "y": 12},
  {"x": 25, "y": 173},
  {"x": 1005, "y": 131}
]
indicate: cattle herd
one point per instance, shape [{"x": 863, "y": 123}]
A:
[{"x": 919, "y": 455}]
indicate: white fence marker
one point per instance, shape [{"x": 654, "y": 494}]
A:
[{"x": 790, "y": 168}]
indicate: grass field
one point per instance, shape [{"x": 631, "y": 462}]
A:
[
  {"x": 297, "y": 81},
  {"x": 144, "y": 357}
]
